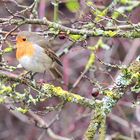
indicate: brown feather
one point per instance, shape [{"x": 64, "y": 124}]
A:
[
  {"x": 53, "y": 56},
  {"x": 44, "y": 44}
]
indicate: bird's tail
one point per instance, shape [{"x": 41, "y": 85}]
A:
[{"x": 56, "y": 74}]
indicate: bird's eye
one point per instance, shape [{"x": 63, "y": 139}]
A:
[{"x": 24, "y": 39}]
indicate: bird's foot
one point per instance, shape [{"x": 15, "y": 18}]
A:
[
  {"x": 27, "y": 75},
  {"x": 24, "y": 74}
]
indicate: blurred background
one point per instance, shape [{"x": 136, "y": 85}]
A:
[{"x": 124, "y": 119}]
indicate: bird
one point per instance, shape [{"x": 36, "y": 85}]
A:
[{"x": 34, "y": 55}]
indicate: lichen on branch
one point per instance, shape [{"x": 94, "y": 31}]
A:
[
  {"x": 128, "y": 78},
  {"x": 119, "y": 31}
]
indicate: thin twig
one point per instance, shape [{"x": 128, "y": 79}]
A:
[{"x": 86, "y": 32}]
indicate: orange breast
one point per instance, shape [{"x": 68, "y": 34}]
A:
[{"x": 24, "y": 49}]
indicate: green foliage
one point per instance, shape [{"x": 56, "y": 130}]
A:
[
  {"x": 124, "y": 1},
  {"x": 73, "y": 5},
  {"x": 75, "y": 37},
  {"x": 89, "y": 3},
  {"x": 22, "y": 110},
  {"x": 99, "y": 31},
  {"x": 9, "y": 48},
  {"x": 90, "y": 61},
  {"x": 110, "y": 33},
  {"x": 2, "y": 100},
  {"x": 128, "y": 6},
  {"x": 100, "y": 14},
  {"x": 132, "y": 75},
  {"x": 99, "y": 44},
  {"x": 5, "y": 89},
  {"x": 136, "y": 88}
]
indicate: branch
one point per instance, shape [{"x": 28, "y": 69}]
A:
[
  {"x": 115, "y": 31},
  {"x": 30, "y": 115},
  {"x": 49, "y": 91},
  {"x": 128, "y": 78},
  {"x": 42, "y": 124}
]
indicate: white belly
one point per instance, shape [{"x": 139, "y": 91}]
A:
[{"x": 35, "y": 64}]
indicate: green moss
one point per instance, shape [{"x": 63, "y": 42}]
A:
[
  {"x": 22, "y": 110},
  {"x": 110, "y": 33}
]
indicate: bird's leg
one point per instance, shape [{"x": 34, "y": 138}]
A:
[
  {"x": 55, "y": 73},
  {"x": 32, "y": 74},
  {"x": 24, "y": 74}
]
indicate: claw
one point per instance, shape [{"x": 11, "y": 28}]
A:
[
  {"x": 24, "y": 74},
  {"x": 27, "y": 74}
]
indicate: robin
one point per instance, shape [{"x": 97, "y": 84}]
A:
[{"x": 34, "y": 55}]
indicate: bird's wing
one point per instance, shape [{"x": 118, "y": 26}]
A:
[
  {"x": 52, "y": 55},
  {"x": 44, "y": 44}
]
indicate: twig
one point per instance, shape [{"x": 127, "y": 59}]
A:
[
  {"x": 56, "y": 10},
  {"x": 79, "y": 79},
  {"x": 123, "y": 122},
  {"x": 110, "y": 65},
  {"x": 10, "y": 32},
  {"x": 51, "y": 90},
  {"x": 15, "y": 2},
  {"x": 104, "y": 33},
  {"x": 42, "y": 124},
  {"x": 111, "y": 98},
  {"x": 34, "y": 9}
]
